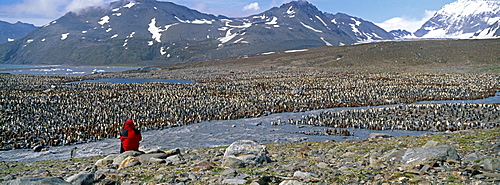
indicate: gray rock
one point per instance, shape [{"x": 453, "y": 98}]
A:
[
  {"x": 172, "y": 152},
  {"x": 247, "y": 151},
  {"x": 380, "y": 135},
  {"x": 291, "y": 182},
  {"x": 232, "y": 162},
  {"x": 145, "y": 158},
  {"x": 430, "y": 154},
  {"x": 174, "y": 158},
  {"x": 82, "y": 179},
  {"x": 38, "y": 181},
  {"x": 492, "y": 164},
  {"x": 7, "y": 177},
  {"x": 107, "y": 182},
  {"x": 234, "y": 181},
  {"x": 473, "y": 156},
  {"x": 303, "y": 175},
  {"x": 420, "y": 156},
  {"x": 105, "y": 161},
  {"x": 431, "y": 143},
  {"x": 118, "y": 159},
  {"x": 156, "y": 161}
]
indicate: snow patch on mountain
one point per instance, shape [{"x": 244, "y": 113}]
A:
[
  {"x": 273, "y": 21},
  {"x": 326, "y": 42},
  {"x": 64, "y": 36},
  {"x": 324, "y": 23},
  {"x": 130, "y": 4},
  {"x": 156, "y": 32},
  {"x": 311, "y": 28},
  {"x": 104, "y": 20},
  {"x": 463, "y": 19}
]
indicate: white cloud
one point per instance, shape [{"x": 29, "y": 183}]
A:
[
  {"x": 408, "y": 24},
  {"x": 252, "y": 6},
  {"x": 78, "y": 5},
  {"x": 46, "y": 8},
  {"x": 40, "y": 12}
]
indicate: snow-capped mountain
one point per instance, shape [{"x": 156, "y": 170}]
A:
[
  {"x": 358, "y": 28},
  {"x": 9, "y": 32},
  {"x": 401, "y": 33},
  {"x": 152, "y": 32},
  {"x": 463, "y": 19}
]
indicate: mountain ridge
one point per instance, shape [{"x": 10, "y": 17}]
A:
[
  {"x": 148, "y": 32},
  {"x": 463, "y": 19},
  {"x": 9, "y": 32}
]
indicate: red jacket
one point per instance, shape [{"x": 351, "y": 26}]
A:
[{"x": 130, "y": 136}]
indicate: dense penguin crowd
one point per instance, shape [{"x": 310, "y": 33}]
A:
[{"x": 47, "y": 110}]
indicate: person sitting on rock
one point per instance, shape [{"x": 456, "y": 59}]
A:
[{"x": 130, "y": 137}]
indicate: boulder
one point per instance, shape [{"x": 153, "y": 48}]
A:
[
  {"x": 107, "y": 182},
  {"x": 431, "y": 144},
  {"x": 109, "y": 173},
  {"x": 380, "y": 135},
  {"x": 82, "y": 179},
  {"x": 118, "y": 159},
  {"x": 129, "y": 162},
  {"x": 172, "y": 152},
  {"x": 420, "y": 156},
  {"x": 38, "y": 181},
  {"x": 106, "y": 161},
  {"x": 243, "y": 153},
  {"x": 156, "y": 161},
  {"x": 291, "y": 182},
  {"x": 145, "y": 158},
  {"x": 234, "y": 181},
  {"x": 492, "y": 164},
  {"x": 303, "y": 175}
]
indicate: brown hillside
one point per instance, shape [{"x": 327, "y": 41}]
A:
[{"x": 409, "y": 56}]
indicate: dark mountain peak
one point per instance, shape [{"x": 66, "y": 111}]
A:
[
  {"x": 400, "y": 33},
  {"x": 147, "y": 32},
  {"x": 9, "y": 32},
  {"x": 301, "y": 4}
]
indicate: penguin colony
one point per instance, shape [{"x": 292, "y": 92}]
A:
[
  {"x": 49, "y": 111},
  {"x": 413, "y": 117}
]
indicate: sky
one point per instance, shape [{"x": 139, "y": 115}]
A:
[{"x": 388, "y": 14}]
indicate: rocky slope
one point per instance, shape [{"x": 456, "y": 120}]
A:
[{"x": 472, "y": 157}]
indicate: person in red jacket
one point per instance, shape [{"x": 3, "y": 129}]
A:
[{"x": 130, "y": 137}]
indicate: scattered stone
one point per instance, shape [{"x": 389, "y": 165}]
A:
[
  {"x": 118, "y": 159},
  {"x": 106, "y": 161},
  {"x": 291, "y": 182},
  {"x": 145, "y": 158},
  {"x": 431, "y": 143},
  {"x": 412, "y": 157},
  {"x": 492, "y": 164},
  {"x": 38, "y": 181},
  {"x": 82, "y": 179},
  {"x": 234, "y": 181},
  {"x": 303, "y": 175},
  {"x": 203, "y": 166},
  {"x": 107, "y": 182},
  {"x": 380, "y": 135},
  {"x": 243, "y": 153}
]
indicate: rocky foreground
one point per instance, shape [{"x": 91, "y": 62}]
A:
[{"x": 463, "y": 157}]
